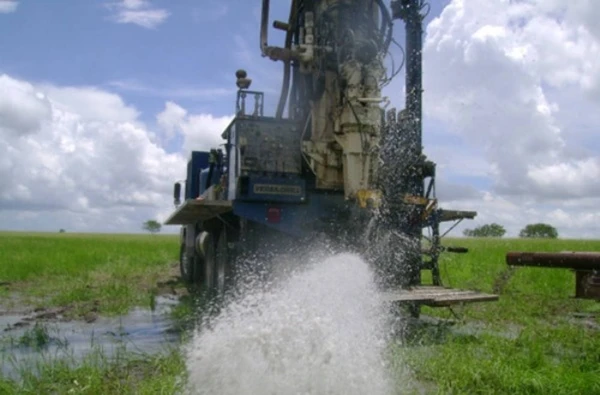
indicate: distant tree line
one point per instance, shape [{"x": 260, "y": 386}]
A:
[
  {"x": 152, "y": 226},
  {"x": 488, "y": 230},
  {"x": 539, "y": 231},
  {"x": 536, "y": 231}
]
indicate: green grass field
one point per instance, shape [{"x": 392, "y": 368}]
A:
[
  {"x": 125, "y": 373},
  {"x": 529, "y": 342},
  {"x": 107, "y": 273}
]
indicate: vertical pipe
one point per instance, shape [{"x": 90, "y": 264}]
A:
[
  {"x": 264, "y": 28},
  {"x": 435, "y": 270},
  {"x": 412, "y": 182},
  {"x": 414, "y": 73},
  {"x": 414, "y": 139}
]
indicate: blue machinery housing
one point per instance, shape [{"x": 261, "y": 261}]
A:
[{"x": 258, "y": 178}]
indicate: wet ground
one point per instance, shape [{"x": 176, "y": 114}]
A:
[
  {"x": 436, "y": 330},
  {"x": 29, "y": 337}
]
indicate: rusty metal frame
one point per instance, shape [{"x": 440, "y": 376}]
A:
[{"x": 586, "y": 266}]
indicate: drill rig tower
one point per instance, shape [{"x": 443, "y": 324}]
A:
[{"x": 335, "y": 166}]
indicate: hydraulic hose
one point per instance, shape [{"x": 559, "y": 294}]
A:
[
  {"x": 387, "y": 21},
  {"x": 285, "y": 88}
]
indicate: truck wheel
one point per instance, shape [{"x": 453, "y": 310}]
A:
[
  {"x": 209, "y": 262},
  {"x": 198, "y": 269},
  {"x": 223, "y": 263},
  {"x": 186, "y": 266}
]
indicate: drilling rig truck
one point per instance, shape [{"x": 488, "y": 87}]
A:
[{"x": 335, "y": 166}]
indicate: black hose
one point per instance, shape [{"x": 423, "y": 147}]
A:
[
  {"x": 285, "y": 88},
  {"x": 387, "y": 21},
  {"x": 264, "y": 28},
  {"x": 296, "y": 88}
]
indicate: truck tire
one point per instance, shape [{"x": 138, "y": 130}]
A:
[
  {"x": 209, "y": 262},
  {"x": 186, "y": 266},
  {"x": 223, "y": 263},
  {"x": 198, "y": 269}
]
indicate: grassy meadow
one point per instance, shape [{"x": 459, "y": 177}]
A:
[
  {"x": 126, "y": 373},
  {"x": 83, "y": 272},
  {"x": 536, "y": 339}
]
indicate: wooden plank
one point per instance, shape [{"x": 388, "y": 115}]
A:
[
  {"x": 437, "y": 296},
  {"x": 465, "y": 298},
  {"x": 193, "y": 211},
  {"x": 406, "y": 297}
]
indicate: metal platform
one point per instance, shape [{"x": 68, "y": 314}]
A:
[
  {"x": 193, "y": 211},
  {"x": 455, "y": 215},
  {"x": 435, "y": 296}
]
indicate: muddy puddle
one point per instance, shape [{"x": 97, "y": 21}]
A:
[{"x": 26, "y": 339}]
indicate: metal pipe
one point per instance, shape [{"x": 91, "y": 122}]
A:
[
  {"x": 414, "y": 72},
  {"x": 264, "y": 27},
  {"x": 565, "y": 260},
  {"x": 410, "y": 125},
  {"x": 281, "y": 26}
]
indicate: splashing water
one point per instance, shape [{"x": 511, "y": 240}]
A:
[{"x": 320, "y": 331}]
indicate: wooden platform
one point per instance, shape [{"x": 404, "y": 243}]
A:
[
  {"x": 193, "y": 211},
  {"x": 435, "y": 296}
]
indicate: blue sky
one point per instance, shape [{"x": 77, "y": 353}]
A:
[
  {"x": 74, "y": 43},
  {"x": 189, "y": 57},
  {"x": 158, "y": 76},
  {"x": 194, "y": 52}
]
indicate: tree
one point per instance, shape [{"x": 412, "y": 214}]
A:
[
  {"x": 488, "y": 230},
  {"x": 62, "y": 231},
  {"x": 152, "y": 226},
  {"x": 539, "y": 231}
]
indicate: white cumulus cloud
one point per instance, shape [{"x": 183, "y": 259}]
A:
[
  {"x": 200, "y": 132},
  {"x": 22, "y": 109},
  {"x": 487, "y": 64},
  {"x": 138, "y": 12},
  {"x": 8, "y": 6},
  {"x": 80, "y": 158},
  {"x": 512, "y": 81}
]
